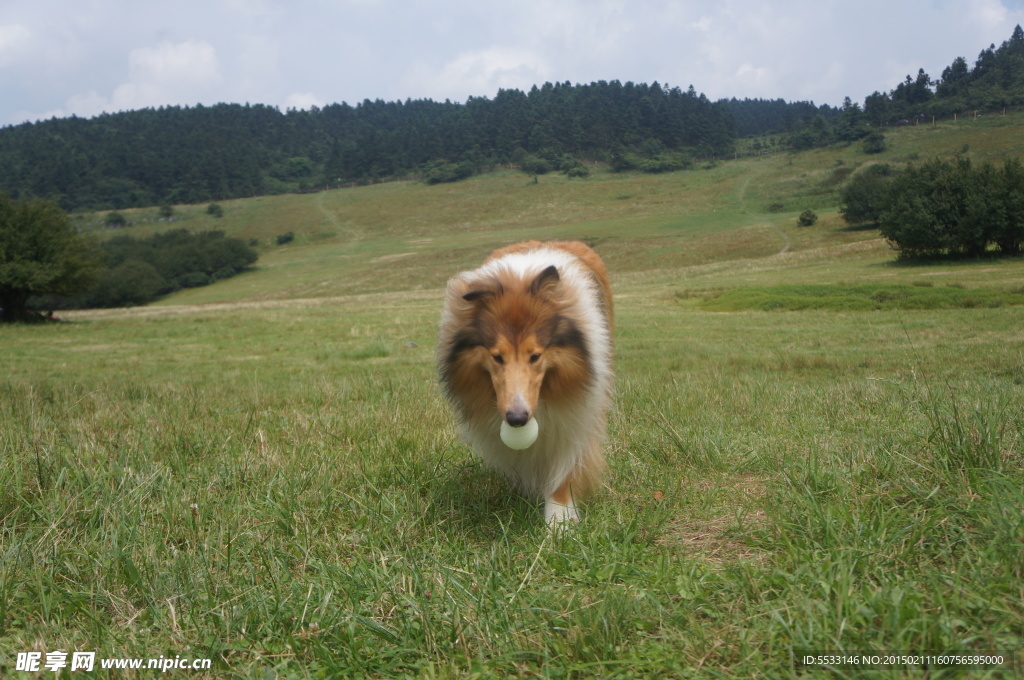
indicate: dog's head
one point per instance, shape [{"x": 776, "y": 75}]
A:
[{"x": 521, "y": 336}]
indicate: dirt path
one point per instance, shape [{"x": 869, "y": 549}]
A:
[
  {"x": 785, "y": 238},
  {"x": 342, "y": 229},
  {"x": 741, "y": 196}
]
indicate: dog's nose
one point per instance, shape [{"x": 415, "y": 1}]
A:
[{"x": 517, "y": 417}]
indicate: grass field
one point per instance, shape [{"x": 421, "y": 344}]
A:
[{"x": 262, "y": 472}]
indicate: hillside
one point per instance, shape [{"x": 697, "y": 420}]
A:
[
  {"x": 408, "y": 235},
  {"x": 174, "y": 154},
  {"x": 263, "y": 472}
]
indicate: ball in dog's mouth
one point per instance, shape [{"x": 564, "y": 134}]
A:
[{"x": 519, "y": 437}]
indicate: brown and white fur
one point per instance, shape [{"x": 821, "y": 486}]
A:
[{"x": 529, "y": 334}]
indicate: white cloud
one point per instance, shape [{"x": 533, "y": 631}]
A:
[
  {"x": 702, "y": 24},
  {"x": 69, "y": 56},
  {"x": 987, "y": 13},
  {"x": 172, "y": 66},
  {"x": 302, "y": 100},
  {"x": 167, "y": 74},
  {"x": 482, "y": 72},
  {"x": 752, "y": 75},
  {"x": 14, "y": 39}
]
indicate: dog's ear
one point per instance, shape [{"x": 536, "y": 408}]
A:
[
  {"x": 474, "y": 295},
  {"x": 545, "y": 281},
  {"x": 482, "y": 289}
]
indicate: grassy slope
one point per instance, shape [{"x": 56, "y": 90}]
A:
[
  {"x": 261, "y": 471},
  {"x": 350, "y": 241}
]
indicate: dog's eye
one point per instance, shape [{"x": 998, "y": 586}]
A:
[
  {"x": 534, "y": 358},
  {"x": 498, "y": 358}
]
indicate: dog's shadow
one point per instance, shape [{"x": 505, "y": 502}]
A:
[{"x": 468, "y": 499}]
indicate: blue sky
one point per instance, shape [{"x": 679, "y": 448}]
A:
[{"x": 84, "y": 57}]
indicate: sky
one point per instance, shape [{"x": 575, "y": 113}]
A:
[{"x": 85, "y": 57}]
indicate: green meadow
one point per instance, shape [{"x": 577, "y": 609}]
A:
[{"x": 814, "y": 450}]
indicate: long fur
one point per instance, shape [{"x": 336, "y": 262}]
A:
[{"x": 533, "y": 313}]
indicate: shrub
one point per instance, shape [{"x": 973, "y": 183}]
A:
[
  {"x": 1008, "y": 226},
  {"x": 953, "y": 207},
  {"x": 138, "y": 270},
  {"x": 440, "y": 172},
  {"x": 193, "y": 280},
  {"x": 863, "y": 198},
  {"x": 874, "y": 143},
  {"x": 807, "y": 218},
  {"x": 572, "y": 167},
  {"x": 669, "y": 162},
  {"x": 215, "y": 210},
  {"x": 287, "y": 237},
  {"x": 623, "y": 161},
  {"x": 133, "y": 282},
  {"x": 532, "y": 165}
]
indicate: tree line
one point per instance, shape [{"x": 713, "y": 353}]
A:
[
  {"x": 941, "y": 207},
  {"x": 47, "y": 264},
  {"x": 176, "y": 155},
  {"x": 996, "y": 81},
  {"x": 173, "y": 155},
  {"x": 138, "y": 270}
]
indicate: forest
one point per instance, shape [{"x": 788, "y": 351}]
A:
[{"x": 175, "y": 155}]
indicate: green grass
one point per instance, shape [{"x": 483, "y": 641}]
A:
[
  {"x": 263, "y": 473},
  {"x": 858, "y": 298}
]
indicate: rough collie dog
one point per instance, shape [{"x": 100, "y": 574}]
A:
[{"x": 528, "y": 335}]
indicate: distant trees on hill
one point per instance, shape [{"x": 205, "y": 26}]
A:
[
  {"x": 200, "y": 154},
  {"x": 197, "y": 154},
  {"x": 755, "y": 117},
  {"x": 136, "y": 271},
  {"x": 996, "y": 81},
  {"x": 942, "y": 207}
]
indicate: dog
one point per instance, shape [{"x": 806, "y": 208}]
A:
[{"x": 528, "y": 335}]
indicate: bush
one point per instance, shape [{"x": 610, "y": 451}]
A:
[
  {"x": 652, "y": 158},
  {"x": 952, "y": 207},
  {"x": 572, "y": 167},
  {"x": 623, "y": 161},
  {"x": 116, "y": 220},
  {"x": 532, "y": 165},
  {"x": 287, "y": 237},
  {"x": 807, "y": 218},
  {"x": 215, "y": 210},
  {"x": 193, "y": 280},
  {"x": 133, "y": 282},
  {"x": 138, "y": 270},
  {"x": 440, "y": 172},
  {"x": 1008, "y": 223},
  {"x": 668, "y": 162},
  {"x": 863, "y": 198},
  {"x": 874, "y": 143}
]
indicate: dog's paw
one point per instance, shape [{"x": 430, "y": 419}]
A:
[{"x": 558, "y": 515}]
